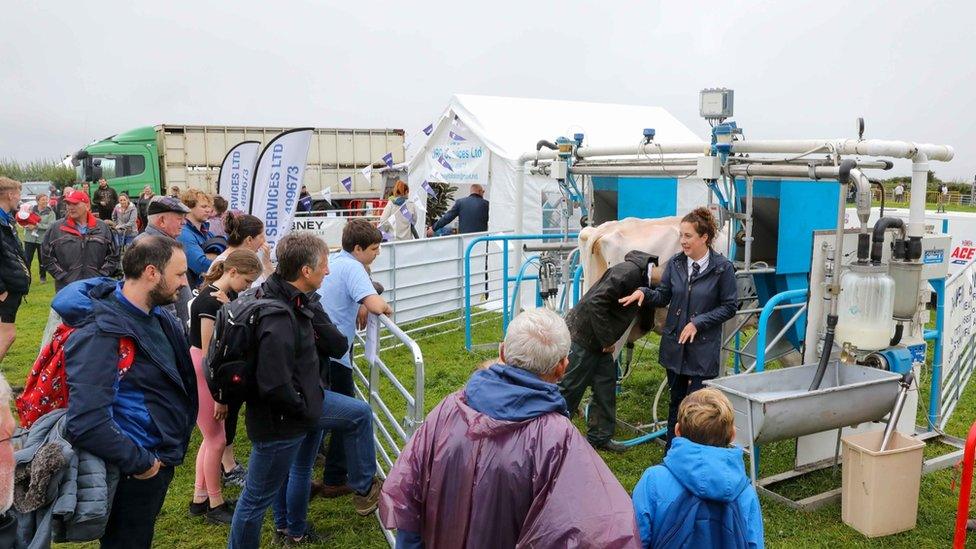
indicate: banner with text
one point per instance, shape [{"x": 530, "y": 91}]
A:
[
  {"x": 278, "y": 182},
  {"x": 457, "y": 157},
  {"x": 236, "y": 175},
  {"x": 958, "y": 339}
]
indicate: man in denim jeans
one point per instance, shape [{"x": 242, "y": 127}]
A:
[{"x": 286, "y": 418}]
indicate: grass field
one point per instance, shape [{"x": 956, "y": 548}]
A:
[{"x": 448, "y": 365}]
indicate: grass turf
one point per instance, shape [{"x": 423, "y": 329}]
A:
[{"x": 447, "y": 367}]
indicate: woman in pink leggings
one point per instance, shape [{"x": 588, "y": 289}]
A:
[{"x": 221, "y": 284}]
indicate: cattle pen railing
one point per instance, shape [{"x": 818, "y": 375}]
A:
[{"x": 379, "y": 385}]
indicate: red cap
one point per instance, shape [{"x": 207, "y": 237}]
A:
[{"x": 76, "y": 196}]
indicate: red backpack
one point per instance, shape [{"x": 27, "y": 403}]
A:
[{"x": 46, "y": 388}]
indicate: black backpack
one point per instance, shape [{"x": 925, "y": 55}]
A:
[{"x": 230, "y": 364}]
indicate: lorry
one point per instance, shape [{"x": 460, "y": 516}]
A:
[{"x": 168, "y": 155}]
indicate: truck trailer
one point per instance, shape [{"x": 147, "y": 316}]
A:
[{"x": 170, "y": 155}]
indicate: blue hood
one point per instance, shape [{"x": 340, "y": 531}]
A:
[
  {"x": 509, "y": 393},
  {"x": 74, "y": 302},
  {"x": 709, "y": 472}
]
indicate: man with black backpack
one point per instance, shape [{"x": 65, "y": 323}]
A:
[
  {"x": 700, "y": 496},
  {"x": 288, "y": 408}
]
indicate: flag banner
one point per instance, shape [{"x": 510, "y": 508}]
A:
[
  {"x": 456, "y": 156},
  {"x": 429, "y": 129},
  {"x": 443, "y": 162},
  {"x": 305, "y": 204},
  {"x": 405, "y": 211},
  {"x": 430, "y": 190},
  {"x": 347, "y": 183},
  {"x": 367, "y": 173},
  {"x": 387, "y": 237},
  {"x": 277, "y": 181},
  {"x": 236, "y": 175},
  {"x": 388, "y": 159},
  {"x": 326, "y": 194}
]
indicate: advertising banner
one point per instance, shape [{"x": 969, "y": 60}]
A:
[
  {"x": 959, "y": 339},
  {"x": 236, "y": 175},
  {"x": 278, "y": 182},
  {"x": 458, "y": 157}
]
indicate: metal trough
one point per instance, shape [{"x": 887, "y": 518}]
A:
[{"x": 781, "y": 406}]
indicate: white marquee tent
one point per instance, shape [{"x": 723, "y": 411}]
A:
[{"x": 478, "y": 139}]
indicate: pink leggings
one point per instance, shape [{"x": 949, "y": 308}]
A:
[{"x": 214, "y": 439}]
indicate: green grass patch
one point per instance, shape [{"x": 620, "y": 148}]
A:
[{"x": 448, "y": 366}]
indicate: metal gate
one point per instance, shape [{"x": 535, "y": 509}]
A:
[{"x": 387, "y": 395}]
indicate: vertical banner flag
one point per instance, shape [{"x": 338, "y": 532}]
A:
[
  {"x": 347, "y": 183},
  {"x": 368, "y": 173},
  {"x": 427, "y": 187},
  {"x": 388, "y": 159},
  {"x": 278, "y": 180},
  {"x": 405, "y": 212},
  {"x": 236, "y": 175}
]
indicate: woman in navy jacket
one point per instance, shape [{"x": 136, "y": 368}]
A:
[{"x": 698, "y": 286}]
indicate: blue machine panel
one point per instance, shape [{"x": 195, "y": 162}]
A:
[
  {"x": 646, "y": 197},
  {"x": 605, "y": 183},
  {"x": 805, "y": 206}
]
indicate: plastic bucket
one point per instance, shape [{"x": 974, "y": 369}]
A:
[{"x": 879, "y": 490}]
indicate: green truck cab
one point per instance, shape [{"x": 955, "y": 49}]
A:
[{"x": 128, "y": 161}]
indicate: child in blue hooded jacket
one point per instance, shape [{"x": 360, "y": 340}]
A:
[{"x": 701, "y": 462}]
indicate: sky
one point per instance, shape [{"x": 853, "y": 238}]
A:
[{"x": 73, "y": 72}]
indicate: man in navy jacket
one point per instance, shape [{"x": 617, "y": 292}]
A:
[
  {"x": 472, "y": 210},
  {"x": 139, "y": 420}
]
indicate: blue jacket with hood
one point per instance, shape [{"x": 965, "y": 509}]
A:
[
  {"x": 151, "y": 412},
  {"x": 708, "y": 472}
]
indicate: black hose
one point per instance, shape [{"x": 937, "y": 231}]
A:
[
  {"x": 825, "y": 356},
  {"x": 896, "y": 339},
  {"x": 877, "y": 239},
  {"x": 863, "y": 247},
  {"x": 914, "y": 249},
  {"x": 544, "y": 143},
  {"x": 880, "y": 186}
]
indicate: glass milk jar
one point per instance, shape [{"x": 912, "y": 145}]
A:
[{"x": 867, "y": 300}]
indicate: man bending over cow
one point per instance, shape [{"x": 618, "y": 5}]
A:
[{"x": 599, "y": 325}]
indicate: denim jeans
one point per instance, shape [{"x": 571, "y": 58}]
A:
[
  {"x": 334, "y": 472},
  {"x": 291, "y": 504},
  {"x": 267, "y": 469},
  {"x": 351, "y": 420},
  {"x": 351, "y": 423}
]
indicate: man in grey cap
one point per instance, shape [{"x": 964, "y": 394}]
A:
[{"x": 165, "y": 216}]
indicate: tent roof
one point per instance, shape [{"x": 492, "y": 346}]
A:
[{"x": 511, "y": 126}]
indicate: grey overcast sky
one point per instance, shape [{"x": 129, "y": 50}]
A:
[{"x": 75, "y": 71}]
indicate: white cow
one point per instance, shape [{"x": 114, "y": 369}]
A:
[{"x": 607, "y": 244}]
